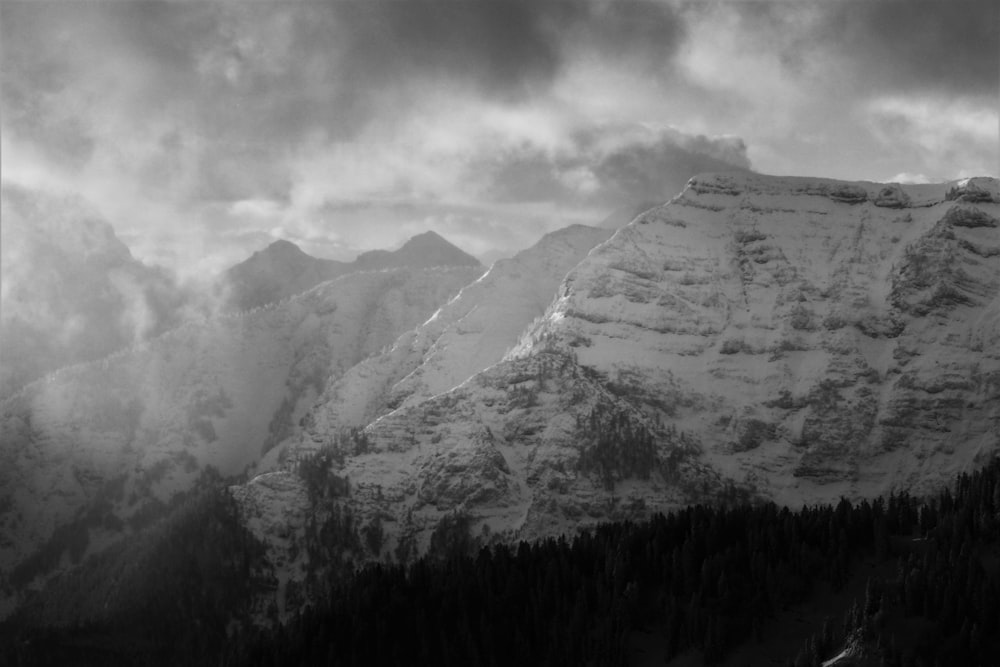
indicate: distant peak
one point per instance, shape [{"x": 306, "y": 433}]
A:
[
  {"x": 281, "y": 246},
  {"x": 427, "y": 240},
  {"x": 429, "y": 234},
  {"x": 431, "y": 247}
]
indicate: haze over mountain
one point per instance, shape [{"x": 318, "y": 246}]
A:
[
  {"x": 283, "y": 269},
  {"x": 99, "y": 449},
  {"x": 71, "y": 290},
  {"x": 115, "y": 439},
  {"x": 122, "y": 436}
]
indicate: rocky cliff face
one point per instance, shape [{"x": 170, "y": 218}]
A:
[
  {"x": 823, "y": 338},
  {"x": 101, "y": 448},
  {"x": 786, "y": 338}
]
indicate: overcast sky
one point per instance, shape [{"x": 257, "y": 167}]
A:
[{"x": 203, "y": 131}]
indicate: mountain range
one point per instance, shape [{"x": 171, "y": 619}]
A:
[{"x": 756, "y": 338}]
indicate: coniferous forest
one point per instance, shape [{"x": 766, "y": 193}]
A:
[{"x": 702, "y": 582}]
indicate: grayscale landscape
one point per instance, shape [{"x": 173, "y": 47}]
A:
[{"x": 496, "y": 332}]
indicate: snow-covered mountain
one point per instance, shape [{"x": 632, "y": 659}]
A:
[
  {"x": 471, "y": 332},
  {"x": 822, "y": 338},
  {"x": 99, "y": 448},
  {"x": 796, "y": 339},
  {"x": 283, "y": 269},
  {"x": 70, "y": 289}
]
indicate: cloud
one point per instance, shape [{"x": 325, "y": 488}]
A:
[
  {"x": 500, "y": 48},
  {"x": 658, "y": 170},
  {"x": 599, "y": 165},
  {"x": 287, "y": 71},
  {"x": 947, "y": 137},
  {"x": 613, "y": 165},
  {"x": 799, "y": 81},
  {"x": 916, "y": 45},
  {"x": 892, "y": 46},
  {"x": 907, "y": 177},
  {"x": 202, "y": 130}
]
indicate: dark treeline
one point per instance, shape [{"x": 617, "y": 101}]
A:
[
  {"x": 702, "y": 579},
  {"x": 942, "y": 606},
  {"x": 163, "y": 596}
]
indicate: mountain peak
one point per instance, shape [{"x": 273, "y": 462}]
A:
[
  {"x": 281, "y": 247},
  {"x": 420, "y": 251},
  {"x": 431, "y": 246},
  {"x": 283, "y": 268},
  {"x": 430, "y": 236}
]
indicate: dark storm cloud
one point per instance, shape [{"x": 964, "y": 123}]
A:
[
  {"x": 507, "y": 47},
  {"x": 658, "y": 171},
  {"x": 339, "y": 52},
  {"x": 613, "y": 166},
  {"x": 911, "y": 45},
  {"x": 251, "y": 77},
  {"x": 648, "y": 33},
  {"x": 504, "y": 50},
  {"x": 952, "y": 45}
]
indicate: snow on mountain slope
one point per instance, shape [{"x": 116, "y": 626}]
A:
[
  {"x": 792, "y": 338},
  {"x": 473, "y": 331},
  {"x": 107, "y": 443},
  {"x": 822, "y": 337}
]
